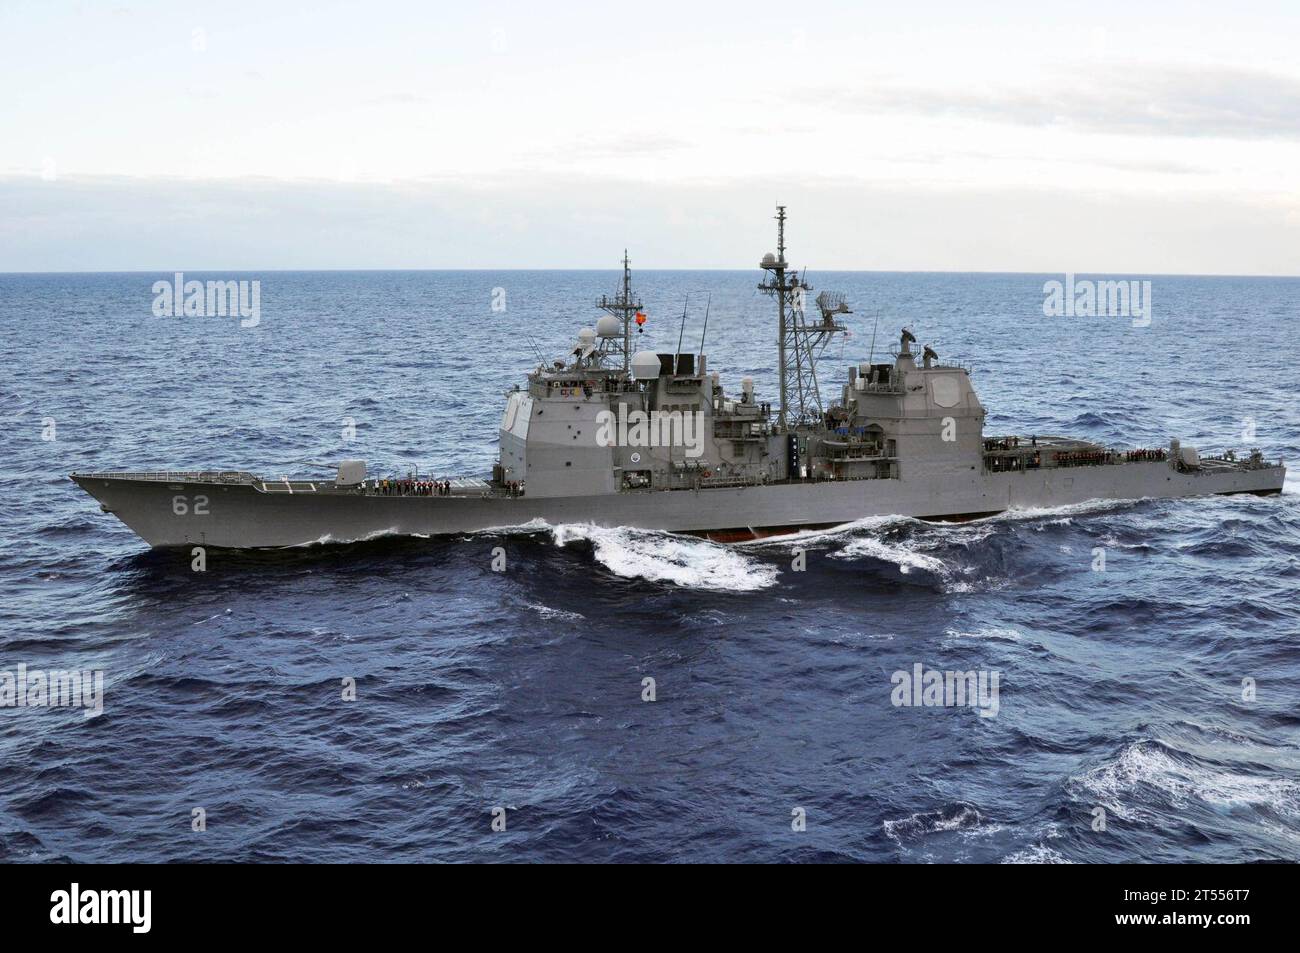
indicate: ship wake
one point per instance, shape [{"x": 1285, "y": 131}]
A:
[{"x": 950, "y": 557}]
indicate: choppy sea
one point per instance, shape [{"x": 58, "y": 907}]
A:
[{"x": 1147, "y": 712}]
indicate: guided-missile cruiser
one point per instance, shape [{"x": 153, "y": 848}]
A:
[{"x": 612, "y": 437}]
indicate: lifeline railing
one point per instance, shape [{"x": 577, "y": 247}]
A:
[{"x": 176, "y": 476}]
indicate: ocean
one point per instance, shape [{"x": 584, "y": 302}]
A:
[{"x": 1147, "y": 712}]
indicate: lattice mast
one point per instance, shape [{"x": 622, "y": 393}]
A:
[
  {"x": 798, "y": 343},
  {"x": 624, "y": 307}
]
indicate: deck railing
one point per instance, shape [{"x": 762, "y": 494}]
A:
[{"x": 176, "y": 476}]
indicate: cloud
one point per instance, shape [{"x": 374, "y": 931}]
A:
[
  {"x": 565, "y": 221},
  {"x": 1222, "y": 102},
  {"x": 626, "y": 146},
  {"x": 398, "y": 99},
  {"x": 1159, "y": 166}
]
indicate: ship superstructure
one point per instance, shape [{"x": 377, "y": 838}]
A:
[{"x": 617, "y": 437}]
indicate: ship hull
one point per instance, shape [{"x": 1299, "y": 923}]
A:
[{"x": 245, "y": 515}]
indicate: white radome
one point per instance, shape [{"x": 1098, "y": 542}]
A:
[
  {"x": 645, "y": 365},
  {"x": 609, "y": 327}
]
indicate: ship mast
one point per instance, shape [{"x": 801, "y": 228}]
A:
[
  {"x": 623, "y": 306},
  {"x": 798, "y": 343}
]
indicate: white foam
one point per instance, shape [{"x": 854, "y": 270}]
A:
[
  {"x": 868, "y": 537},
  {"x": 963, "y": 534},
  {"x": 1037, "y": 854},
  {"x": 801, "y": 538},
  {"x": 535, "y": 525},
  {"x": 1149, "y": 763},
  {"x": 329, "y": 538},
  {"x": 964, "y": 818},
  {"x": 1061, "y": 514},
  {"x": 863, "y": 538},
  {"x": 663, "y": 557},
  {"x": 1291, "y": 482},
  {"x": 993, "y": 633},
  {"x": 546, "y": 612},
  {"x": 905, "y": 559}
]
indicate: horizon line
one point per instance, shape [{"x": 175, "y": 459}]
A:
[{"x": 809, "y": 270}]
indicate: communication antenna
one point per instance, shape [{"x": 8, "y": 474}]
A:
[
  {"x": 680, "y": 333},
  {"x": 541, "y": 358},
  {"x": 873, "y": 337},
  {"x": 706, "y": 321}
]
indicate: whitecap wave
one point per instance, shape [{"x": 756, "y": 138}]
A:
[
  {"x": 800, "y": 539},
  {"x": 664, "y": 557},
  {"x": 869, "y": 538},
  {"x": 959, "y": 817},
  {"x": 329, "y": 539},
  {"x": 535, "y": 525},
  {"x": 1037, "y": 854},
  {"x": 989, "y": 633},
  {"x": 561, "y": 615},
  {"x": 1291, "y": 482},
  {"x": 905, "y": 558},
  {"x": 1117, "y": 784},
  {"x": 1061, "y": 514}
]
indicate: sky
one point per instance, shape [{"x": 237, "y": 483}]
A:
[{"x": 1099, "y": 137}]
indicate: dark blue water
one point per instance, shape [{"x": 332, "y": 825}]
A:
[{"x": 522, "y": 690}]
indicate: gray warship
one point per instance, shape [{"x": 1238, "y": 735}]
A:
[{"x": 650, "y": 440}]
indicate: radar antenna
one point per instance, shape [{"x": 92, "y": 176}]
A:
[{"x": 831, "y": 303}]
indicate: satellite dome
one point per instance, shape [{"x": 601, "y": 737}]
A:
[
  {"x": 586, "y": 337},
  {"x": 645, "y": 365},
  {"x": 609, "y": 327},
  {"x": 769, "y": 259}
]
